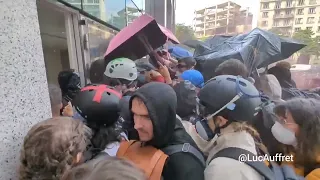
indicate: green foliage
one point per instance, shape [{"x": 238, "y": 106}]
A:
[
  {"x": 306, "y": 36},
  {"x": 203, "y": 38},
  {"x": 184, "y": 33},
  {"x": 278, "y": 32}
]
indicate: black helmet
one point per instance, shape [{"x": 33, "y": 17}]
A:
[
  {"x": 220, "y": 90},
  {"x": 98, "y": 104}
]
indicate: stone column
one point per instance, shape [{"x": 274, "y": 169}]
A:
[{"x": 24, "y": 97}]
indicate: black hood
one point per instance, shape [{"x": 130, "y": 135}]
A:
[
  {"x": 161, "y": 102},
  {"x": 283, "y": 75},
  {"x": 187, "y": 98}
]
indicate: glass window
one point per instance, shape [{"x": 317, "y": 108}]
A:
[
  {"x": 300, "y": 12},
  {"x": 265, "y": 14},
  {"x": 301, "y": 3},
  {"x": 310, "y": 20},
  {"x": 134, "y": 9},
  {"x": 115, "y": 12},
  {"x": 76, "y": 3},
  {"x": 265, "y": 6},
  {"x": 312, "y": 10},
  {"x": 99, "y": 39}
]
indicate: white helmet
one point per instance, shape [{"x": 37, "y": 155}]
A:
[{"x": 122, "y": 68}]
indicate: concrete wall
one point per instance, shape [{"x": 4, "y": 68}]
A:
[
  {"x": 24, "y": 97},
  {"x": 161, "y": 10}
]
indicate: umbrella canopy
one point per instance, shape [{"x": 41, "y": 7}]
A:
[
  {"x": 179, "y": 52},
  {"x": 127, "y": 43},
  {"x": 256, "y": 49}
]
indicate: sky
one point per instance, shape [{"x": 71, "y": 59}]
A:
[{"x": 185, "y": 8}]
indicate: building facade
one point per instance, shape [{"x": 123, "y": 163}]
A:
[
  {"x": 227, "y": 18},
  {"x": 288, "y": 16},
  {"x": 38, "y": 39},
  {"x": 163, "y": 11}
]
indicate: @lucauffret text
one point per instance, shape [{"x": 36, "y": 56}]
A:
[{"x": 278, "y": 157}]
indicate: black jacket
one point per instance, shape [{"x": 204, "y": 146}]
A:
[
  {"x": 161, "y": 102},
  {"x": 186, "y": 99}
]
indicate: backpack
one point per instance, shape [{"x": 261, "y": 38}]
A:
[
  {"x": 152, "y": 160},
  {"x": 314, "y": 174},
  {"x": 274, "y": 172}
]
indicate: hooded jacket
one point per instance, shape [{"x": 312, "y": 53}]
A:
[
  {"x": 186, "y": 99},
  {"x": 161, "y": 101}
]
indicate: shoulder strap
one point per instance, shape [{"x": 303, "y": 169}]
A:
[
  {"x": 124, "y": 145},
  {"x": 235, "y": 153},
  {"x": 186, "y": 148}
]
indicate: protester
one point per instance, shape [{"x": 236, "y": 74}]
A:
[
  {"x": 228, "y": 105},
  {"x": 186, "y": 100},
  {"x": 283, "y": 75},
  {"x": 98, "y": 106},
  {"x": 298, "y": 126},
  {"x": 122, "y": 74},
  {"x": 55, "y": 99},
  {"x": 270, "y": 86},
  {"x": 185, "y": 64},
  {"x": 96, "y": 71},
  {"x": 69, "y": 83},
  {"x": 106, "y": 168},
  {"x": 153, "y": 109},
  {"x": 232, "y": 67},
  {"x": 194, "y": 76},
  {"x": 52, "y": 147}
]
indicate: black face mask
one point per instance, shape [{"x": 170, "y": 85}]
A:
[{"x": 203, "y": 129}]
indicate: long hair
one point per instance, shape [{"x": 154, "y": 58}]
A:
[
  {"x": 103, "y": 135},
  {"x": 306, "y": 114},
  {"x": 50, "y": 147},
  {"x": 243, "y": 126}
]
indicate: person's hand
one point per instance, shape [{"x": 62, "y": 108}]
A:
[
  {"x": 151, "y": 74},
  {"x": 68, "y": 110},
  {"x": 163, "y": 70}
]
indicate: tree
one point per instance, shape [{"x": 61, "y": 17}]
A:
[
  {"x": 184, "y": 33},
  {"x": 312, "y": 48},
  {"x": 277, "y": 31}
]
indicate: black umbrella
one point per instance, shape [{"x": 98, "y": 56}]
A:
[{"x": 256, "y": 49}]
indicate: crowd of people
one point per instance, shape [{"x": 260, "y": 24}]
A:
[{"x": 138, "y": 121}]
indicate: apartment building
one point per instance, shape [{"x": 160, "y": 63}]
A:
[
  {"x": 226, "y": 18},
  {"x": 289, "y": 16}
]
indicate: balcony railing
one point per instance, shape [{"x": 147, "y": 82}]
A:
[
  {"x": 286, "y": 7},
  {"x": 283, "y": 16},
  {"x": 282, "y": 25}
]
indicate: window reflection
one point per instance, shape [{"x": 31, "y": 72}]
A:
[
  {"x": 134, "y": 9},
  {"x": 76, "y": 3},
  {"x": 115, "y": 12},
  {"x": 118, "y": 13},
  {"x": 96, "y": 8},
  {"x": 99, "y": 39}
]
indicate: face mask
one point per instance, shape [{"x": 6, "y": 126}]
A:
[
  {"x": 76, "y": 115},
  {"x": 204, "y": 130},
  {"x": 283, "y": 135}
]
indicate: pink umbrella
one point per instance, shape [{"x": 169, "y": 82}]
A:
[
  {"x": 138, "y": 39},
  {"x": 169, "y": 34}
]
